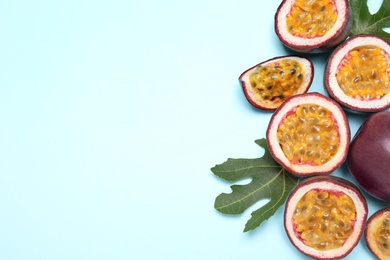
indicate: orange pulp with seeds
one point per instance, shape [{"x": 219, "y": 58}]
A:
[
  {"x": 364, "y": 73},
  {"x": 311, "y": 18},
  {"x": 277, "y": 81},
  {"x": 324, "y": 219},
  {"x": 382, "y": 235},
  {"x": 309, "y": 135}
]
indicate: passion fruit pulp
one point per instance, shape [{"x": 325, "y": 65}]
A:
[
  {"x": 377, "y": 234},
  {"x": 313, "y": 26},
  {"x": 369, "y": 153},
  {"x": 357, "y": 74},
  {"x": 325, "y": 216},
  {"x": 309, "y": 135},
  {"x": 267, "y": 84}
]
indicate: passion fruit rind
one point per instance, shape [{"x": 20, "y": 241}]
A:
[
  {"x": 376, "y": 233},
  {"x": 323, "y": 43},
  {"x": 337, "y": 186},
  {"x": 368, "y": 156},
  {"x": 359, "y": 102},
  {"x": 283, "y": 77},
  {"x": 339, "y": 127}
]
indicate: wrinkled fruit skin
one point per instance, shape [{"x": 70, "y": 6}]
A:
[
  {"x": 305, "y": 167},
  {"x": 315, "y": 44},
  {"x": 276, "y": 87},
  {"x": 359, "y": 82},
  {"x": 376, "y": 234},
  {"x": 338, "y": 186},
  {"x": 369, "y": 156}
]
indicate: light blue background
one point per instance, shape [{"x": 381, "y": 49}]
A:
[{"x": 112, "y": 114}]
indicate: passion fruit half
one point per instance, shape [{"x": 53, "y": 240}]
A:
[
  {"x": 357, "y": 74},
  {"x": 313, "y": 26},
  {"x": 369, "y": 156},
  {"x": 377, "y": 234},
  {"x": 309, "y": 135},
  {"x": 267, "y": 84},
  {"x": 325, "y": 217}
]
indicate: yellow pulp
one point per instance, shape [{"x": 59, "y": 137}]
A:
[
  {"x": 277, "y": 81},
  {"x": 364, "y": 73},
  {"x": 309, "y": 135},
  {"x": 382, "y": 236},
  {"x": 311, "y": 18},
  {"x": 324, "y": 219}
]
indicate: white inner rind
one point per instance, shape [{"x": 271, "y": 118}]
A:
[
  {"x": 338, "y": 56},
  {"x": 371, "y": 234},
  {"x": 351, "y": 240},
  {"x": 285, "y": 10},
  {"x": 307, "y": 75},
  {"x": 343, "y": 129}
]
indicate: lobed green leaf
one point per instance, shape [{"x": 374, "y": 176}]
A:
[
  {"x": 269, "y": 180},
  {"x": 363, "y": 22}
]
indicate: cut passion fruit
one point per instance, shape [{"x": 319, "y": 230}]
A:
[
  {"x": 368, "y": 156},
  {"x": 357, "y": 74},
  {"x": 325, "y": 217},
  {"x": 313, "y": 26},
  {"x": 267, "y": 84},
  {"x": 377, "y": 234},
  {"x": 309, "y": 135}
]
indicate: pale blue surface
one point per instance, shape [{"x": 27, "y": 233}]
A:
[{"x": 112, "y": 114}]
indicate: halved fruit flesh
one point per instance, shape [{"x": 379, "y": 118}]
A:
[
  {"x": 382, "y": 236},
  {"x": 276, "y": 81},
  {"x": 309, "y": 135},
  {"x": 324, "y": 219},
  {"x": 378, "y": 234},
  {"x": 311, "y": 18},
  {"x": 364, "y": 73}
]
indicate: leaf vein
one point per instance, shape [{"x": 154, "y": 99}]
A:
[{"x": 253, "y": 192}]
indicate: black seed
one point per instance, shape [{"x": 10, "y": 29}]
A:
[{"x": 292, "y": 71}]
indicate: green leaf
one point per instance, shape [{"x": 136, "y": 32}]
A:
[
  {"x": 269, "y": 180},
  {"x": 363, "y": 22}
]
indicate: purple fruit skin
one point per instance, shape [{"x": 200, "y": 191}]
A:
[{"x": 369, "y": 156}]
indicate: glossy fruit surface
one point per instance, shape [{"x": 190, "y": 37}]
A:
[
  {"x": 309, "y": 135},
  {"x": 267, "y": 84},
  {"x": 377, "y": 234},
  {"x": 313, "y": 26},
  {"x": 357, "y": 74},
  {"x": 369, "y": 156},
  {"x": 325, "y": 217}
]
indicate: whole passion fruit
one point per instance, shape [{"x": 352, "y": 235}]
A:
[
  {"x": 357, "y": 74},
  {"x": 369, "y": 156},
  {"x": 377, "y": 234},
  {"x": 313, "y": 26},
  {"x": 267, "y": 84},
  {"x": 309, "y": 135},
  {"x": 325, "y": 216}
]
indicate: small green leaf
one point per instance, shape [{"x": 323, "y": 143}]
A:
[
  {"x": 363, "y": 22},
  {"x": 269, "y": 180}
]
